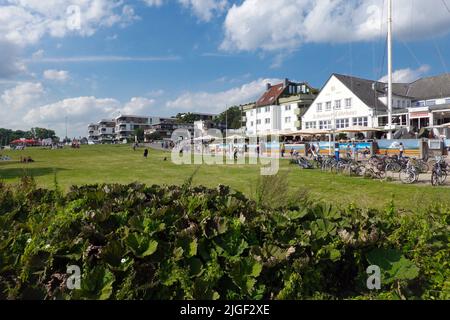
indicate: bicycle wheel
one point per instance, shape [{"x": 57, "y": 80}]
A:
[
  {"x": 360, "y": 171},
  {"x": 438, "y": 178},
  {"x": 443, "y": 177},
  {"x": 434, "y": 179},
  {"x": 423, "y": 167},
  {"x": 394, "y": 167},
  {"x": 407, "y": 177},
  {"x": 369, "y": 173}
]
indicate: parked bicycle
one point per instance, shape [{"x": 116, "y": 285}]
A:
[
  {"x": 411, "y": 173},
  {"x": 439, "y": 172}
]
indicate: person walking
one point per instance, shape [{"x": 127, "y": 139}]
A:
[
  {"x": 145, "y": 153},
  {"x": 283, "y": 150},
  {"x": 401, "y": 149},
  {"x": 235, "y": 153},
  {"x": 349, "y": 151},
  {"x": 337, "y": 153}
]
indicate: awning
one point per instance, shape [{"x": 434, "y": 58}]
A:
[
  {"x": 235, "y": 136},
  {"x": 311, "y": 132},
  {"x": 206, "y": 138},
  {"x": 443, "y": 126},
  {"x": 357, "y": 129}
]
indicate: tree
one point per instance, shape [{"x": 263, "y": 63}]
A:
[
  {"x": 232, "y": 117},
  {"x": 139, "y": 132},
  {"x": 154, "y": 136},
  {"x": 41, "y": 133},
  {"x": 187, "y": 117}
]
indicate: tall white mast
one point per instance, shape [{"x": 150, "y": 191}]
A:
[{"x": 389, "y": 69}]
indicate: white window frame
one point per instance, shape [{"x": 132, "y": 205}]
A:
[
  {"x": 348, "y": 103},
  {"x": 311, "y": 125},
  {"x": 328, "y": 106},
  {"x": 337, "y": 104},
  {"x": 287, "y": 108},
  {"x": 342, "y": 123},
  {"x": 267, "y": 121},
  {"x": 319, "y": 107},
  {"x": 360, "y": 121},
  {"x": 324, "y": 124}
]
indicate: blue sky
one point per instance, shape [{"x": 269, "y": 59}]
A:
[{"x": 163, "y": 57}]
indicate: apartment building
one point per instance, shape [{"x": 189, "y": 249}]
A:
[
  {"x": 106, "y": 131},
  {"x": 93, "y": 132},
  {"x": 279, "y": 109},
  {"x": 347, "y": 101},
  {"x": 166, "y": 127},
  {"x": 127, "y": 124}
]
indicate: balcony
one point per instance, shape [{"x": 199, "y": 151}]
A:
[
  {"x": 244, "y": 119},
  {"x": 297, "y": 124},
  {"x": 298, "y": 111}
]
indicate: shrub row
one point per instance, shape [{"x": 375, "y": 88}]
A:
[{"x": 183, "y": 242}]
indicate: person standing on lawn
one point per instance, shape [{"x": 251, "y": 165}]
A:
[
  {"x": 401, "y": 149},
  {"x": 145, "y": 153},
  {"x": 235, "y": 153}
]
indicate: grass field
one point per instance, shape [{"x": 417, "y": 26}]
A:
[{"x": 120, "y": 164}]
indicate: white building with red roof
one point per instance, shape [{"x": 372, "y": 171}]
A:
[{"x": 279, "y": 109}]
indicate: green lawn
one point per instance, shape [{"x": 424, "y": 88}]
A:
[{"x": 120, "y": 164}]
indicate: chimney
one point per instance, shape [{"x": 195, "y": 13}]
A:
[{"x": 268, "y": 86}]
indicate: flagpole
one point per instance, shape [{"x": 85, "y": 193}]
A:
[{"x": 389, "y": 102}]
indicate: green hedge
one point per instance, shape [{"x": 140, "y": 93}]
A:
[{"x": 153, "y": 242}]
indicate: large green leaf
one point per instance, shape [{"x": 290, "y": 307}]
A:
[
  {"x": 393, "y": 264},
  {"x": 322, "y": 228},
  {"x": 244, "y": 273},
  {"x": 140, "y": 245},
  {"x": 96, "y": 284}
]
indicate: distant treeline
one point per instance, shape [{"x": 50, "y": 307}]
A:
[{"x": 8, "y": 135}]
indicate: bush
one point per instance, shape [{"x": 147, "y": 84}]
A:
[{"x": 152, "y": 242}]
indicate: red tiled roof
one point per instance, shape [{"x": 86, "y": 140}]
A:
[{"x": 271, "y": 96}]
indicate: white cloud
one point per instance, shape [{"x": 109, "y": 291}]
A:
[
  {"x": 407, "y": 75},
  {"x": 38, "y": 54},
  {"x": 205, "y": 10},
  {"x": 56, "y": 75},
  {"x": 154, "y": 3},
  {"x": 217, "y": 102},
  {"x": 10, "y": 64},
  {"x": 21, "y": 96},
  {"x": 287, "y": 24},
  {"x": 77, "y": 109},
  {"x": 138, "y": 106},
  {"x": 82, "y": 59},
  {"x": 80, "y": 111},
  {"x": 25, "y": 22}
]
